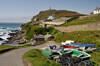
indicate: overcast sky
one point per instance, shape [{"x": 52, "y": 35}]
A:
[{"x": 29, "y": 8}]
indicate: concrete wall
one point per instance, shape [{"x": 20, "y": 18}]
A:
[{"x": 96, "y": 11}]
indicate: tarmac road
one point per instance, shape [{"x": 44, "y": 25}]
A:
[{"x": 14, "y": 57}]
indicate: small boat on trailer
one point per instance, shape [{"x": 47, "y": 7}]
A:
[{"x": 82, "y": 47}]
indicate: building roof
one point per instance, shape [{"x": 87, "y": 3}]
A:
[
  {"x": 39, "y": 36},
  {"x": 52, "y": 16},
  {"x": 97, "y": 8},
  {"x": 47, "y": 36}
]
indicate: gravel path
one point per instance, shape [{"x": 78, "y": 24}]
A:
[{"x": 14, "y": 57}]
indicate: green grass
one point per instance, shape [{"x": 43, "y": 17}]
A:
[
  {"x": 86, "y": 20},
  {"x": 38, "y": 59},
  {"x": 88, "y": 37},
  {"x": 96, "y": 57},
  {"x": 79, "y": 36},
  {"x": 78, "y": 22},
  {"x": 2, "y": 47}
]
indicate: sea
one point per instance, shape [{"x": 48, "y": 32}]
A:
[{"x": 6, "y": 28}]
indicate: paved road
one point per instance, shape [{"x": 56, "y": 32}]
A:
[{"x": 14, "y": 57}]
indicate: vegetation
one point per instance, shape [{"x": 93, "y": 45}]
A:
[
  {"x": 2, "y": 47},
  {"x": 87, "y": 37},
  {"x": 95, "y": 57},
  {"x": 49, "y": 30},
  {"x": 84, "y": 20},
  {"x": 31, "y": 30},
  {"x": 38, "y": 59},
  {"x": 58, "y": 13}
]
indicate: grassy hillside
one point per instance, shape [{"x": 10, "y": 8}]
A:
[
  {"x": 30, "y": 28},
  {"x": 59, "y": 13},
  {"x": 84, "y": 20},
  {"x": 79, "y": 36}
]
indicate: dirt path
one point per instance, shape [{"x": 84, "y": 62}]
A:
[
  {"x": 86, "y": 27},
  {"x": 14, "y": 57}
]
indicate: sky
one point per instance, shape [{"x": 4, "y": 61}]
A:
[{"x": 14, "y": 9}]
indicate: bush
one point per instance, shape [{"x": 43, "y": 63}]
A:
[
  {"x": 30, "y": 31},
  {"x": 49, "y": 30}
]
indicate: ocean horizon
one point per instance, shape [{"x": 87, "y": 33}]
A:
[{"x": 9, "y": 26}]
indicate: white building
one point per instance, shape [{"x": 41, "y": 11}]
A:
[
  {"x": 96, "y": 11},
  {"x": 51, "y": 17}
]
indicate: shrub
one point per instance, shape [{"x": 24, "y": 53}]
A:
[{"x": 49, "y": 30}]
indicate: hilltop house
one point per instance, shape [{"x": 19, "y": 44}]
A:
[
  {"x": 51, "y": 17},
  {"x": 96, "y": 11}
]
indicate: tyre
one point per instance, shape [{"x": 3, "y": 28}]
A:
[
  {"x": 67, "y": 59},
  {"x": 66, "y": 64},
  {"x": 83, "y": 63},
  {"x": 76, "y": 59},
  {"x": 57, "y": 60},
  {"x": 90, "y": 63},
  {"x": 50, "y": 58}
]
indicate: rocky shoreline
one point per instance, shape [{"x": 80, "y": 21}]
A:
[
  {"x": 16, "y": 37},
  {"x": 12, "y": 37}
]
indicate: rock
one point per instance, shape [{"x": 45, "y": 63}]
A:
[{"x": 1, "y": 39}]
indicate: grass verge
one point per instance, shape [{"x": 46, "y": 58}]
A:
[
  {"x": 4, "y": 48},
  {"x": 38, "y": 59}
]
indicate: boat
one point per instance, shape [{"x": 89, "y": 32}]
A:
[
  {"x": 72, "y": 44},
  {"x": 67, "y": 42},
  {"x": 69, "y": 57}
]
